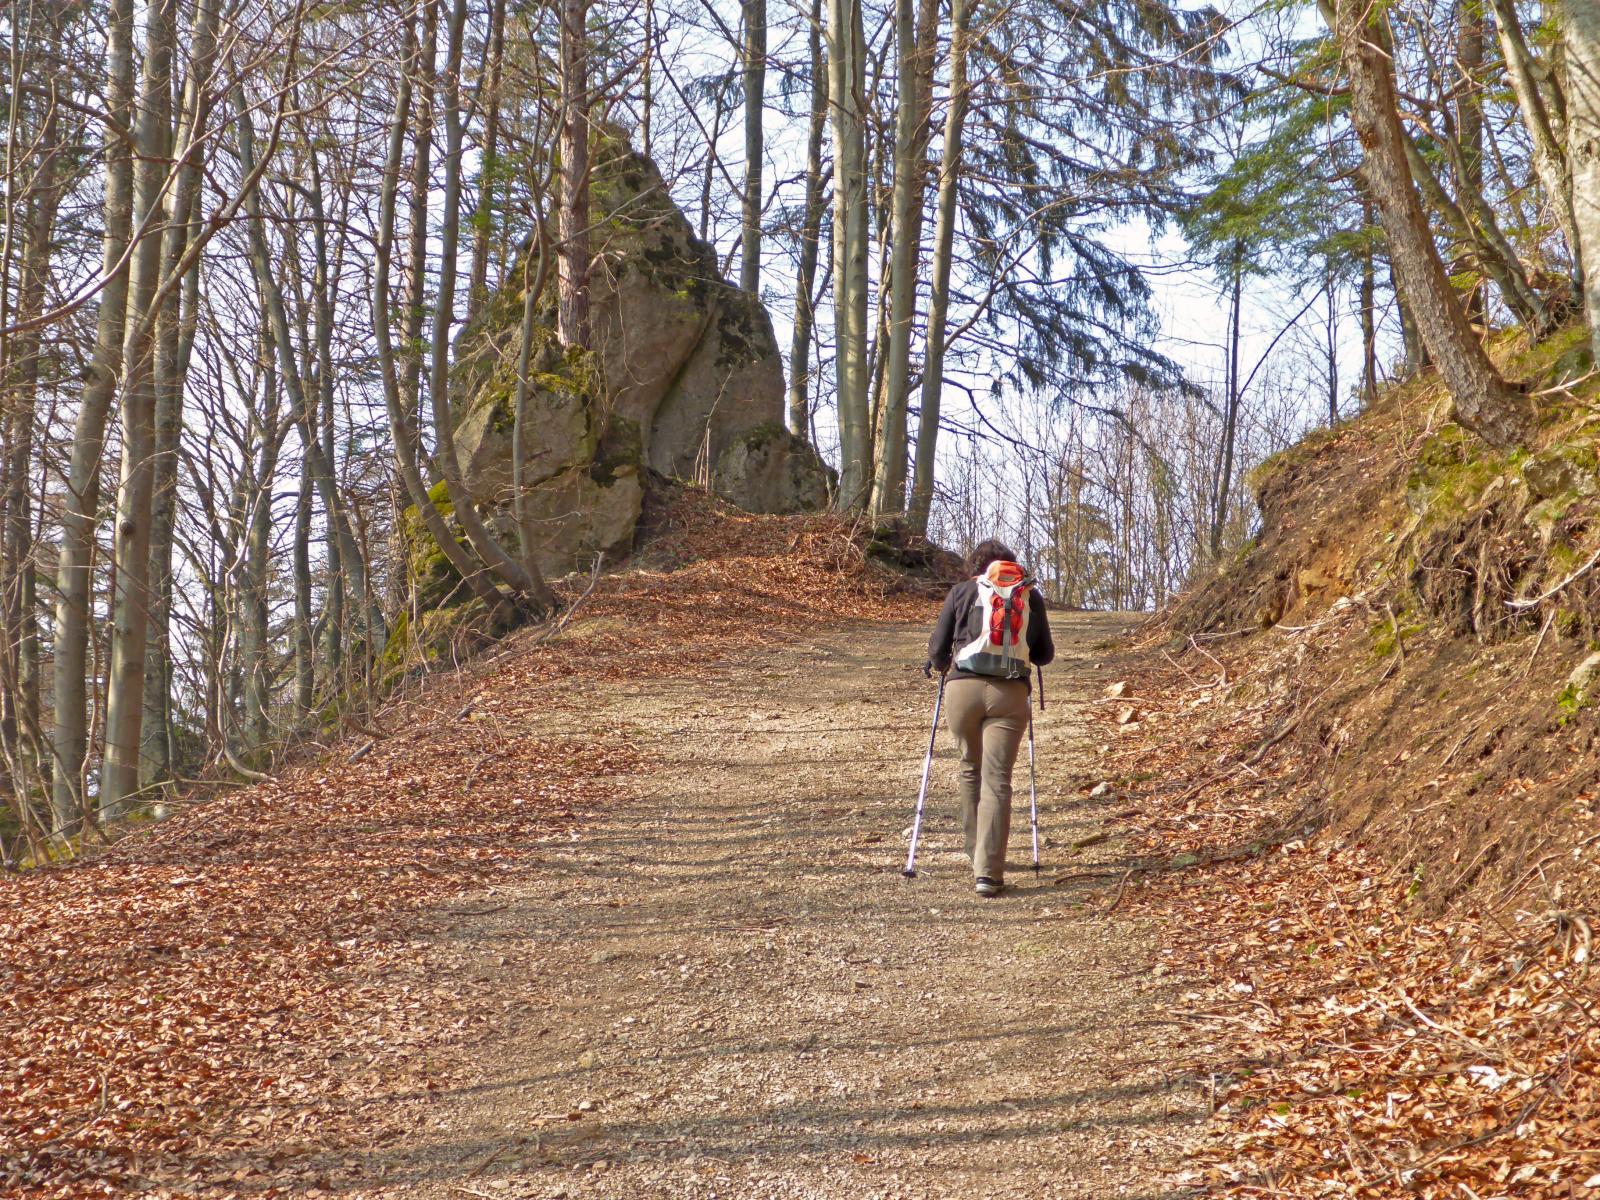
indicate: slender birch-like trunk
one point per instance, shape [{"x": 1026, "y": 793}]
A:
[
  {"x": 810, "y": 237},
  {"x": 846, "y": 94},
  {"x": 175, "y": 340},
  {"x": 489, "y": 169},
  {"x": 81, "y": 502},
  {"x": 1543, "y": 126},
  {"x": 755, "y": 84},
  {"x": 572, "y": 309},
  {"x": 914, "y": 31},
  {"x": 1581, "y": 30},
  {"x": 523, "y": 579},
  {"x": 132, "y": 596},
  {"x": 403, "y": 435},
  {"x": 943, "y": 250}
]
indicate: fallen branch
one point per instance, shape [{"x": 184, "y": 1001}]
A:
[{"x": 594, "y": 578}]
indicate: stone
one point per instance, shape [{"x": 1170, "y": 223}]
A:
[
  {"x": 1584, "y": 674},
  {"x": 1127, "y": 715},
  {"x": 685, "y": 378},
  {"x": 1566, "y": 469},
  {"x": 1120, "y": 690},
  {"x": 771, "y": 470},
  {"x": 1102, "y": 790}
]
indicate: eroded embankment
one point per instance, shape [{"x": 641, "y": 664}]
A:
[{"x": 1371, "y": 739}]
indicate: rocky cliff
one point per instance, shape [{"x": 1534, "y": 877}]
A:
[{"x": 685, "y": 379}]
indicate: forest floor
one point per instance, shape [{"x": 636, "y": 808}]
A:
[{"x": 723, "y": 987}]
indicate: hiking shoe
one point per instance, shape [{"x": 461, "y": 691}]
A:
[{"x": 989, "y": 888}]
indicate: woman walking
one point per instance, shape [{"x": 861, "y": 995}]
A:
[{"x": 990, "y": 634}]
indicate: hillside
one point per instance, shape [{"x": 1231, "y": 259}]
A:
[
  {"x": 613, "y": 908},
  {"x": 203, "y": 1005},
  {"x": 1392, "y": 693}
]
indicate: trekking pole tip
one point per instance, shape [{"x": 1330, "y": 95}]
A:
[{"x": 909, "y": 872}]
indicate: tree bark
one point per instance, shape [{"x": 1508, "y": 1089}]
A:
[
  {"x": 1483, "y": 402},
  {"x": 572, "y": 309},
  {"x": 810, "y": 237},
  {"x": 1369, "y": 315},
  {"x": 403, "y": 436},
  {"x": 175, "y": 340},
  {"x": 523, "y": 578},
  {"x": 1581, "y": 30},
  {"x": 302, "y": 406},
  {"x": 755, "y": 84},
  {"x": 132, "y": 597},
  {"x": 81, "y": 503},
  {"x": 1494, "y": 254},
  {"x": 19, "y": 626},
  {"x": 939, "y": 297},
  {"x": 1230, "y": 416},
  {"x": 1549, "y": 156},
  {"x": 489, "y": 170},
  {"x": 846, "y": 89},
  {"x": 915, "y": 32}
]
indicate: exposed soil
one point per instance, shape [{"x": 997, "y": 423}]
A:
[{"x": 723, "y": 987}]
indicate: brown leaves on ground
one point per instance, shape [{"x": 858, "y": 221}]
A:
[
  {"x": 178, "y": 1015},
  {"x": 1376, "y": 1046}
]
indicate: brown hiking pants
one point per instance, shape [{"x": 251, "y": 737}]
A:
[{"x": 989, "y": 718}]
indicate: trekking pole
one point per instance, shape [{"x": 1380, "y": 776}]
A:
[
  {"x": 1033, "y": 779},
  {"x": 910, "y": 871}
]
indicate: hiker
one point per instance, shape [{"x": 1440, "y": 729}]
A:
[{"x": 992, "y": 631}]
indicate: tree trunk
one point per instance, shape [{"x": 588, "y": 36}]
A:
[
  {"x": 1489, "y": 245},
  {"x": 321, "y": 398},
  {"x": 915, "y": 35},
  {"x": 939, "y": 297},
  {"x": 846, "y": 91},
  {"x": 175, "y": 340},
  {"x": 19, "y": 621},
  {"x": 1230, "y": 417},
  {"x": 1331, "y": 342},
  {"x": 755, "y": 84},
  {"x": 132, "y": 598},
  {"x": 420, "y": 58},
  {"x": 1482, "y": 400},
  {"x": 522, "y": 578},
  {"x": 1415, "y": 353},
  {"x": 572, "y": 309},
  {"x": 1549, "y": 157},
  {"x": 75, "y": 569},
  {"x": 1369, "y": 315},
  {"x": 255, "y": 646},
  {"x": 402, "y": 435},
  {"x": 302, "y": 406},
  {"x": 810, "y": 238},
  {"x": 1581, "y": 27},
  {"x": 305, "y": 669},
  {"x": 489, "y": 169}
]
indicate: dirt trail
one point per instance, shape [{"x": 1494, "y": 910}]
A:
[{"x": 724, "y": 989}]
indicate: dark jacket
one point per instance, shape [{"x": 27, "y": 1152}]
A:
[{"x": 960, "y": 622}]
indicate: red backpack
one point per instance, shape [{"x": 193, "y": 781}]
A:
[{"x": 1001, "y": 645}]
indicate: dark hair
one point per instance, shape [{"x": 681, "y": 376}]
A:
[{"x": 988, "y": 551}]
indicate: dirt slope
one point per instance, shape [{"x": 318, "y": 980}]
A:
[{"x": 723, "y": 988}]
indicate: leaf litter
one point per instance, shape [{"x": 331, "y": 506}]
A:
[
  {"x": 182, "y": 1013},
  {"x": 1378, "y": 1040}
]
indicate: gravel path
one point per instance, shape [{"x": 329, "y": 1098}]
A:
[{"x": 725, "y": 989}]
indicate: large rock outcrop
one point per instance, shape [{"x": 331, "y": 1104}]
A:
[{"x": 685, "y": 379}]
